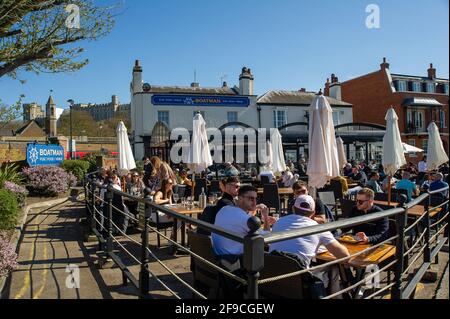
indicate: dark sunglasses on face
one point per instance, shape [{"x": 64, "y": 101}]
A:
[
  {"x": 300, "y": 191},
  {"x": 360, "y": 202}
]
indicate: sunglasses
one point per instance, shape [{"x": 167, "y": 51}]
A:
[
  {"x": 300, "y": 191},
  {"x": 360, "y": 202}
]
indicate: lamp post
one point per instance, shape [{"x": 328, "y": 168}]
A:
[{"x": 71, "y": 102}]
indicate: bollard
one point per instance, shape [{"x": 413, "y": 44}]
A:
[
  {"x": 400, "y": 220},
  {"x": 253, "y": 257}
]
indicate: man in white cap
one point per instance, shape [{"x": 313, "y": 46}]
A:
[{"x": 305, "y": 247}]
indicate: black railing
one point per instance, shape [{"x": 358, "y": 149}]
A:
[{"x": 254, "y": 243}]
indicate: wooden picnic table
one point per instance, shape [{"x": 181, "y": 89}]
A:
[
  {"x": 185, "y": 211},
  {"x": 372, "y": 257},
  {"x": 281, "y": 191}
]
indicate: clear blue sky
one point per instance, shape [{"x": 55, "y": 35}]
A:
[{"x": 288, "y": 44}]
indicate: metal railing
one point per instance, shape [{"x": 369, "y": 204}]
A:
[{"x": 424, "y": 245}]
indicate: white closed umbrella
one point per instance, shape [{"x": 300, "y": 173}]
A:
[
  {"x": 436, "y": 155},
  {"x": 126, "y": 158},
  {"x": 199, "y": 152},
  {"x": 393, "y": 154},
  {"x": 278, "y": 163},
  {"x": 323, "y": 162},
  {"x": 411, "y": 149},
  {"x": 341, "y": 152}
]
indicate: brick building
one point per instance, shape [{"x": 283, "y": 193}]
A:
[{"x": 417, "y": 100}]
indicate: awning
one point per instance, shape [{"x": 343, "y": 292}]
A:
[{"x": 418, "y": 101}]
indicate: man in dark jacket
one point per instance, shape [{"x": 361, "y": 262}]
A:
[
  {"x": 230, "y": 187},
  {"x": 373, "y": 232}
]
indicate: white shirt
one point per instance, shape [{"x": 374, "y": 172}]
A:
[
  {"x": 422, "y": 166},
  {"x": 234, "y": 219},
  {"x": 306, "y": 246},
  {"x": 288, "y": 179}
]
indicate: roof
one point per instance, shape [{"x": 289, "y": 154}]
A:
[
  {"x": 192, "y": 90},
  {"x": 26, "y": 126},
  {"x": 295, "y": 98},
  {"x": 419, "y": 101},
  {"x": 50, "y": 101}
]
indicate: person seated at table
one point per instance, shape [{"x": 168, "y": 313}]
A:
[
  {"x": 136, "y": 186},
  {"x": 287, "y": 178},
  {"x": 299, "y": 189},
  {"x": 373, "y": 232},
  {"x": 343, "y": 182},
  {"x": 406, "y": 184},
  {"x": 426, "y": 184},
  {"x": 373, "y": 184},
  {"x": 347, "y": 169},
  {"x": 385, "y": 182},
  {"x": 444, "y": 169},
  {"x": 306, "y": 247},
  {"x": 230, "y": 170},
  {"x": 184, "y": 180},
  {"x": 234, "y": 218},
  {"x": 120, "y": 212},
  {"x": 358, "y": 176},
  {"x": 163, "y": 197},
  {"x": 266, "y": 171},
  {"x": 438, "y": 183},
  {"x": 229, "y": 187}
]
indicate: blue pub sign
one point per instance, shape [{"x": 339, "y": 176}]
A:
[
  {"x": 200, "y": 100},
  {"x": 43, "y": 154}
]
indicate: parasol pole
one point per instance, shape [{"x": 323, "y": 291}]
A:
[{"x": 389, "y": 189}]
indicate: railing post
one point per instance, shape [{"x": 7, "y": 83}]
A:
[
  {"x": 427, "y": 250},
  {"x": 109, "y": 240},
  {"x": 93, "y": 223},
  {"x": 144, "y": 276},
  {"x": 400, "y": 220},
  {"x": 253, "y": 257}
]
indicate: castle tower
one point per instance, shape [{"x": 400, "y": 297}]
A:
[{"x": 50, "y": 117}]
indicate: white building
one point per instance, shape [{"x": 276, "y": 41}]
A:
[{"x": 156, "y": 110}]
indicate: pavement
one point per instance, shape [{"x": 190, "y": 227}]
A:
[{"x": 55, "y": 263}]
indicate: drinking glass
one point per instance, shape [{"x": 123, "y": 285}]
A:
[{"x": 175, "y": 198}]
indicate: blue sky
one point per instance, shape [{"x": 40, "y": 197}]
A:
[{"x": 288, "y": 44}]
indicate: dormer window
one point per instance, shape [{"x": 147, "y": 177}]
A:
[
  {"x": 401, "y": 86},
  {"x": 416, "y": 87},
  {"x": 431, "y": 88}
]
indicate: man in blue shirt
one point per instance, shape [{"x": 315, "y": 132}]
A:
[
  {"x": 438, "y": 184},
  {"x": 406, "y": 184}
]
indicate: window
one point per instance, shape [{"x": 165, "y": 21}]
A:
[
  {"x": 401, "y": 86},
  {"x": 336, "y": 118},
  {"x": 232, "y": 116},
  {"x": 416, "y": 87},
  {"x": 441, "y": 121},
  {"x": 279, "y": 117},
  {"x": 425, "y": 145},
  {"x": 163, "y": 116},
  {"x": 446, "y": 89},
  {"x": 412, "y": 143},
  {"x": 431, "y": 88}
]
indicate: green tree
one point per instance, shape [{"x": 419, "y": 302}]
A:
[
  {"x": 82, "y": 124},
  {"x": 9, "y": 113},
  {"x": 109, "y": 126},
  {"x": 41, "y": 36}
]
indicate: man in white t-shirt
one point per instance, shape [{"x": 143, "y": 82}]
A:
[
  {"x": 305, "y": 247},
  {"x": 234, "y": 218},
  {"x": 422, "y": 166}
]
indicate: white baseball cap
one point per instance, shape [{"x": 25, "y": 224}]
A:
[{"x": 305, "y": 203}]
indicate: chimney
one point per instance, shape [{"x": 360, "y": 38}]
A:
[
  {"x": 224, "y": 84},
  {"x": 431, "y": 72},
  {"x": 302, "y": 90},
  {"x": 246, "y": 82},
  {"x": 136, "y": 84},
  {"x": 334, "y": 88},
  {"x": 195, "y": 85},
  {"x": 327, "y": 88},
  {"x": 384, "y": 65}
]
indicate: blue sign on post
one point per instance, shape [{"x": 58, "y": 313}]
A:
[
  {"x": 42, "y": 154},
  {"x": 200, "y": 100}
]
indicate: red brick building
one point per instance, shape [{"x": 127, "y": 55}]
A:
[{"x": 417, "y": 100}]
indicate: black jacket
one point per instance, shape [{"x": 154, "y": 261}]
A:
[
  {"x": 209, "y": 213},
  {"x": 376, "y": 231}
]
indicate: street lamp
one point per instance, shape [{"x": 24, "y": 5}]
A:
[{"x": 71, "y": 102}]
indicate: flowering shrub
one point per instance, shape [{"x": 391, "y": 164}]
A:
[
  {"x": 9, "y": 209},
  {"x": 8, "y": 257},
  {"x": 20, "y": 191},
  {"x": 48, "y": 180}
]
